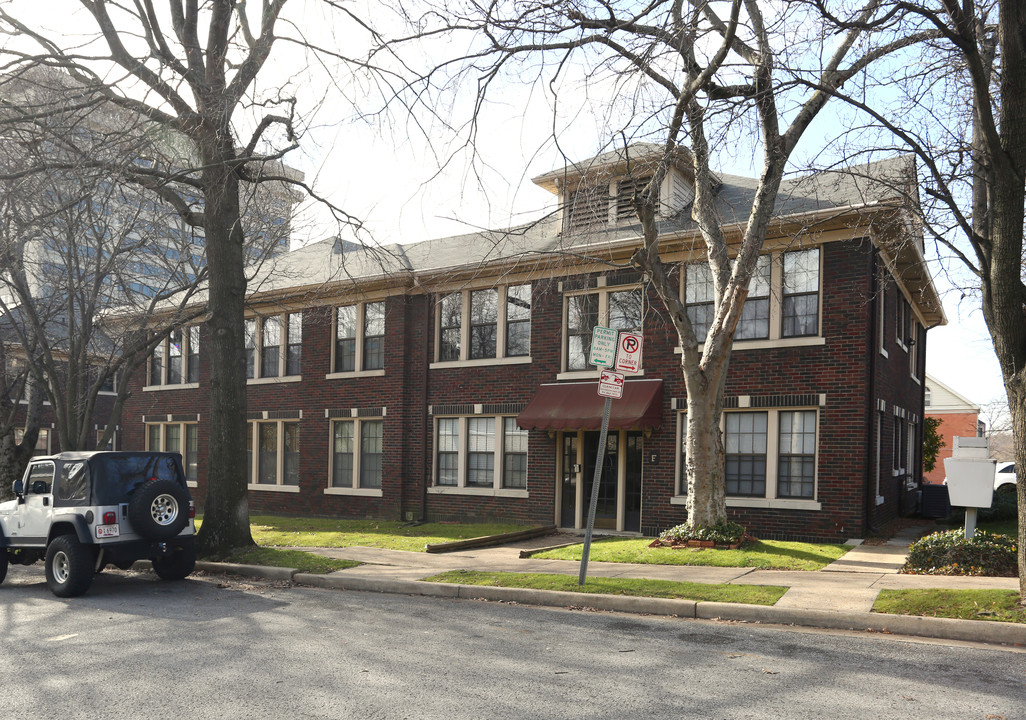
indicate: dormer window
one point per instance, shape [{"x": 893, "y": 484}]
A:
[
  {"x": 599, "y": 205},
  {"x": 626, "y": 189}
]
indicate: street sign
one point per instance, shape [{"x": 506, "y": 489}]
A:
[
  {"x": 603, "y": 347},
  {"x": 628, "y": 356},
  {"x": 610, "y": 384}
]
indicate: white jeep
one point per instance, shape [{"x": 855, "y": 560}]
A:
[{"x": 83, "y": 511}]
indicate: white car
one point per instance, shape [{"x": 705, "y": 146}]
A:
[{"x": 1004, "y": 476}]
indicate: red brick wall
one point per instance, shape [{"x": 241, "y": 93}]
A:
[{"x": 952, "y": 425}]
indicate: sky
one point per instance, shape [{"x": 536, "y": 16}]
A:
[{"x": 384, "y": 169}]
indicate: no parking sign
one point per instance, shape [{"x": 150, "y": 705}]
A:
[{"x": 628, "y": 353}]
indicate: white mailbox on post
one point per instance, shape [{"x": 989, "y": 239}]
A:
[{"x": 970, "y": 478}]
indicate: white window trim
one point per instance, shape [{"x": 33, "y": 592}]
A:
[
  {"x": 603, "y": 291},
  {"x": 254, "y": 435},
  {"x": 776, "y": 337},
  {"x": 283, "y": 350},
  {"x": 772, "y": 463},
  {"x": 881, "y": 318},
  {"x": 355, "y": 490},
  {"x": 183, "y": 439},
  {"x": 361, "y": 324},
  {"x": 165, "y": 346},
  {"x": 461, "y": 488},
  {"x": 500, "y": 330}
]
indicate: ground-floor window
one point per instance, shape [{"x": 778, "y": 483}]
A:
[
  {"x": 768, "y": 454},
  {"x": 356, "y": 454},
  {"x": 182, "y": 438},
  {"x": 480, "y": 451},
  {"x": 272, "y": 451}
]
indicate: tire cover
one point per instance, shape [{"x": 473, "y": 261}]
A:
[{"x": 141, "y": 515}]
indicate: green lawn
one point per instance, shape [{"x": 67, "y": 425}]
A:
[
  {"x": 1000, "y": 527},
  {"x": 999, "y": 605},
  {"x": 296, "y": 559},
  {"x": 393, "y": 535},
  {"x": 762, "y": 554},
  {"x": 750, "y": 594}
]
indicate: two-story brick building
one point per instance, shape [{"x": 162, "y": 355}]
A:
[{"x": 448, "y": 379}]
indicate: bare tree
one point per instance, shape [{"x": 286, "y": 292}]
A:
[
  {"x": 189, "y": 71},
  {"x": 75, "y": 243},
  {"x": 687, "y": 76},
  {"x": 959, "y": 104}
]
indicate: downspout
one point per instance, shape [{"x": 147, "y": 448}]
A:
[{"x": 876, "y": 283}]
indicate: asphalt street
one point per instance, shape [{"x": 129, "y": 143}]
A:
[{"x": 218, "y": 647}]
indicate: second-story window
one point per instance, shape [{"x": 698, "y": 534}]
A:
[
  {"x": 620, "y": 308},
  {"x": 698, "y": 298},
  {"x": 175, "y": 360},
  {"x": 359, "y": 337},
  {"x": 801, "y": 293},
  {"x": 755, "y": 315},
  {"x": 273, "y": 346},
  {"x": 471, "y": 326}
]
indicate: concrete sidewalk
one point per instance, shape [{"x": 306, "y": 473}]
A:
[{"x": 840, "y": 596}]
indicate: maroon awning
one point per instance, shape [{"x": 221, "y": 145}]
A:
[{"x": 578, "y": 406}]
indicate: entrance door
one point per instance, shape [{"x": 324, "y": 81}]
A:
[
  {"x": 568, "y": 491},
  {"x": 606, "y": 510}
]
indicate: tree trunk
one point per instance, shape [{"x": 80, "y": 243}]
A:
[
  {"x": 226, "y": 508},
  {"x": 706, "y": 501}
]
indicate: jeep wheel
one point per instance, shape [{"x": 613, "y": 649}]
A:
[
  {"x": 159, "y": 509},
  {"x": 69, "y": 566},
  {"x": 177, "y": 564}
]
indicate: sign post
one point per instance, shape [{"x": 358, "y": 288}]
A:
[{"x": 608, "y": 348}]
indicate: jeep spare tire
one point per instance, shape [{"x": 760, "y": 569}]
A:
[{"x": 159, "y": 509}]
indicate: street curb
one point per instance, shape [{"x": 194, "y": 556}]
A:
[{"x": 998, "y": 633}]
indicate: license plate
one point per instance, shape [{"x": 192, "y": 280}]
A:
[{"x": 106, "y": 531}]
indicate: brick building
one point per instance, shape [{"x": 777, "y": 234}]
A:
[{"x": 448, "y": 379}]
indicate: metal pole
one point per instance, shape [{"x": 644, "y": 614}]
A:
[
  {"x": 970, "y": 522},
  {"x": 595, "y": 491}
]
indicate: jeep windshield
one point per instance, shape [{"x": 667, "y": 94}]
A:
[{"x": 116, "y": 476}]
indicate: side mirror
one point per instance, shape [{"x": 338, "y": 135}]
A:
[{"x": 18, "y": 487}]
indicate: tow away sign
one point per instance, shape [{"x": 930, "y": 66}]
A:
[
  {"x": 628, "y": 353},
  {"x": 610, "y": 384}
]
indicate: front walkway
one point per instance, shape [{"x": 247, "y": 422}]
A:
[{"x": 851, "y": 584}]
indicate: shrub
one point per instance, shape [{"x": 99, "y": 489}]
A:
[
  {"x": 725, "y": 533},
  {"x": 949, "y": 553}
]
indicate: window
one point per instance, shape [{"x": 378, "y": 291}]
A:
[
  {"x": 351, "y": 469},
  {"x": 926, "y": 396},
  {"x": 448, "y": 451},
  {"x": 587, "y": 207},
  {"x": 359, "y": 337},
  {"x": 270, "y": 346},
  {"x": 175, "y": 359},
  {"x": 896, "y": 447},
  {"x": 276, "y": 461},
  {"x": 480, "y": 452},
  {"x": 698, "y": 297},
  {"x": 796, "y": 474},
  {"x": 514, "y": 454},
  {"x": 755, "y": 315},
  {"x": 626, "y": 189},
  {"x": 619, "y": 308},
  {"x": 470, "y": 326},
  {"x": 276, "y": 341},
  {"x": 801, "y": 293},
  {"x": 484, "y": 323},
  {"x": 745, "y": 453},
  {"x": 42, "y": 446},
  {"x": 168, "y": 437},
  {"x": 294, "y": 345},
  {"x": 518, "y": 320}
]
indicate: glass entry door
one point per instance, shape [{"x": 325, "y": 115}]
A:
[{"x": 619, "y": 496}]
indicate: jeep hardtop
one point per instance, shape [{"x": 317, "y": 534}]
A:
[{"x": 83, "y": 511}]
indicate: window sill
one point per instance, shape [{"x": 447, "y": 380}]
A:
[
  {"x": 774, "y": 504},
  {"x": 274, "y": 488},
  {"x": 274, "y": 380},
  {"x": 356, "y": 492},
  {"x": 191, "y": 483},
  {"x": 770, "y": 344},
  {"x": 480, "y": 492},
  {"x": 354, "y": 374},
  {"x": 879, "y": 499},
  {"x": 179, "y": 386},
  {"x": 482, "y": 362}
]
